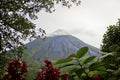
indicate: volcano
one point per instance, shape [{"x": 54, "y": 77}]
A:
[{"x": 56, "y": 46}]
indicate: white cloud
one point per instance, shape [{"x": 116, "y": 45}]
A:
[{"x": 87, "y": 21}]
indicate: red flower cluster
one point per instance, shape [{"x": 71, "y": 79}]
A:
[
  {"x": 15, "y": 70},
  {"x": 48, "y": 72},
  {"x": 97, "y": 78},
  {"x": 65, "y": 76}
]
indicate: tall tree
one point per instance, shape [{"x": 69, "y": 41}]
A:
[
  {"x": 111, "y": 37},
  {"x": 111, "y": 45}
]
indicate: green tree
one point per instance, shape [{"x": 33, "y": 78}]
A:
[
  {"x": 111, "y": 37},
  {"x": 111, "y": 47}
]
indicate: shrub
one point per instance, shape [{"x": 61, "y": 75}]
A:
[
  {"x": 48, "y": 72},
  {"x": 15, "y": 70}
]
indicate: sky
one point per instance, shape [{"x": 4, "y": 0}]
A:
[{"x": 88, "y": 21}]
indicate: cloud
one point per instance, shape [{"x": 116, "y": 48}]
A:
[
  {"x": 82, "y": 31},
  {"x": 88, "y": 21}
]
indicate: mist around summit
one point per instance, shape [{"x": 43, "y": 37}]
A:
[
  {"x": 57, "y": 45},
  {"x": 58, "y": 32}
]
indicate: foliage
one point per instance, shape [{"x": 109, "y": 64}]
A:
[
  {"x": 15, "y": 70},
  {"x": 48, "y": 72},
  {"x": 77, "y": 67},
  {"x": 7, "y": 56},
  {"x": 112, "y": 62},
  {"x": 33, "y": 67},
  {"x": 80, "y": 68},
  {"x": 2, "y": 60},
  {"x": 111, "y": 37},
  {"x": 111, "y": 51}
]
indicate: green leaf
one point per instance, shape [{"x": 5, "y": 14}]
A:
[
  {"x": 101, "y": 68},
  {"x": 79, "y": 72},
  {"x": 81, "y": 52},
  {"x": 106, "y": 55},
  {"x": 71, "y": 77},
  {"x": 71, "y": 56},
  {"x": 110, "y": 70},
  {"x": 66, "y": 65},
  {"x": 74, "y": 69},
  {"x": 89, "y": 59},
  {"x": 117, "y": 72},
  {"x": 63, "y": 61},
  {"x": 97, "y": 66},
  {"x": 114, "y": 48}
]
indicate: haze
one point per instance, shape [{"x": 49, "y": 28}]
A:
[{"x": 88, "y": 22}]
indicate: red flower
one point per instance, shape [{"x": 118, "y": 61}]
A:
[
  {"x": 15, "y": 70},
  {"x": 97, "y": 78},
  {"x": 48, "y": 63},
  {"x": 24, "y": 66},
  {"x": 65, "y": 76},
  {"x": 48, "y": 72}
]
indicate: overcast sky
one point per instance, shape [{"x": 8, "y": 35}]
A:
[{"x": 88, "y": 22}]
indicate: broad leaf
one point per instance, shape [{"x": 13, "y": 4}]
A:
[
  {"x": 106, "y": 55},
  {"x": 71, "y": 56},
  {"x": 71, "y": 77},
  {"x": 81, "y": 52},
  {"x": 100, "y": 68},
  {"x": 117, "y": 72},
  {"x": 74, "y": 69},
  {"x": 66, "y": 65},
  {"x": 89, "y": 59},
  {"x": 63, "y": 61},
  {"x": 96, "y": 66},
  {"x": 79, "y": 72}
]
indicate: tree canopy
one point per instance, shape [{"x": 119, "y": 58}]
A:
[{"x": 111, "y": 37}]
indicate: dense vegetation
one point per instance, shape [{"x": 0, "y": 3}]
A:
[
  {"x": 77, "y": 66},
  {"x": 74, "y": 67},
  {"x": 111, "y": 37}
]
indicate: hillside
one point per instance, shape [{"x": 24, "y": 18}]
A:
[{"x": 56, "y": 47}]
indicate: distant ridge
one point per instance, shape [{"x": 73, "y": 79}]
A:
[{"x": 58, "y": 45}]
